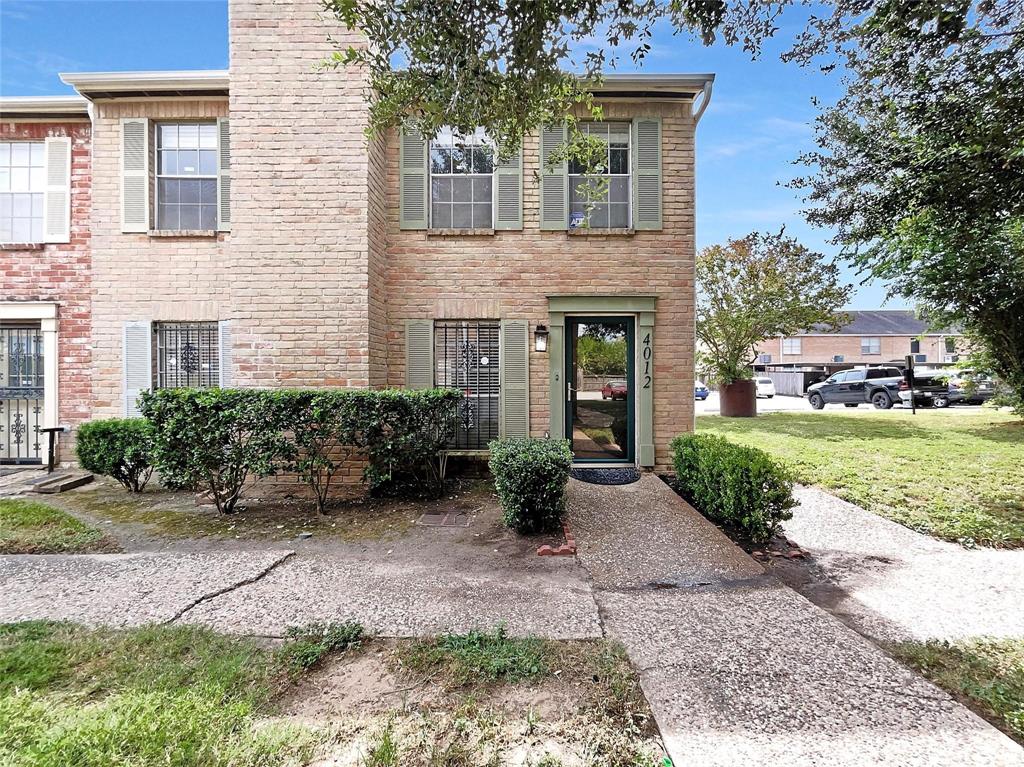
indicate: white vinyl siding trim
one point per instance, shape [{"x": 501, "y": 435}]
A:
[
  {"x": 57, "y": 198},
  {"x": 223, "y": 175},
  {"x": 134, "y": 174},
  {"x": 137, "y": 361}
]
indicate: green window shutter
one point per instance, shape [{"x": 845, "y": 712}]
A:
[
  {"x": 514, "y": 369},
  {"x": 554, "y": 180},
  {"x": 134, "y": 174},
  {"x": 413, "y": 192},
  {"x": 57, "y": 195},
  {"x": 137, "y": 360},
  {"x": 647, "y": 173},
  {"x": 509, "y": 194},
  {"x": 223, "y": 175},
  {"x": 419, "y": 354},
  {"x": 227, "y": 359}
]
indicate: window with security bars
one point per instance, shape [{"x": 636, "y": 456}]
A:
[
  {"x": 187, "y": 354},
  {"x": 466, "y": 358}
]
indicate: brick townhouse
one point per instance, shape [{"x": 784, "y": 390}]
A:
[
  {"x": 45, "y": 178},
  {"x": 870, "y": 337},
  {"x": 245, "y": 232}
]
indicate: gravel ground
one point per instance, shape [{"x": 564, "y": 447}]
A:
[
  {"x": 739, "y": 669},
  {"x": 893, "y": 584}
]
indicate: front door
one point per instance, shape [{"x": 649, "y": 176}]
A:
[
  {"x": 599, "y": 388},
  {"x": 21, "y": 394}
]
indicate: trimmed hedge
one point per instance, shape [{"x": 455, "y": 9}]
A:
[
  {"x": 221, "y": 439},
  {"x": 530, "y": 476},
  {"x": 121, "y": 448},
  {"x": 739, "y": 486}
]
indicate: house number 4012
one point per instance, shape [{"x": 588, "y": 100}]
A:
[{"x": 645, "y": 355}]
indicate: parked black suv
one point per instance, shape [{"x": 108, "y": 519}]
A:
[{"x": 880, "y": 386}]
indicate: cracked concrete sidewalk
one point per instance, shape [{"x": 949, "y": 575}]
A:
[
  {"x": 263, "y": 592},
  {"x": 741, "y": 669}
]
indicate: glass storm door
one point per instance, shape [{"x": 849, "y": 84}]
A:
[{"x": 599, "y": 388}]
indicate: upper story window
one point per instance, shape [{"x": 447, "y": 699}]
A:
[
  {"x": 186, "y": 176},
  {"x": 22, "y": 183},
  {"x": 870, "y": 345},
  {"x": 791, "y": 346},
  {"x": 608, "y": 207},
  {"x": 461, "y": 181}
]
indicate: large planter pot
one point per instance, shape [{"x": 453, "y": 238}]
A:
[{"x": 738, "y": 399}]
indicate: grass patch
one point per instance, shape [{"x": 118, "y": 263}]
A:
[
  {"x": 951, "y": 475},
  {"x": 987, "y": 674},
  {"x": 309, "y": 645},
  {"x": 178, "y": 696},
  {"x": 29, "y": 527},
  {"x": 463, "y": 660}
]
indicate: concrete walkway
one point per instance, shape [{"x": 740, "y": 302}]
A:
[
  {"x": 894, "y": 584},
  {"x": 263, "y": 592},
  {"x": 740, "y": 669}
]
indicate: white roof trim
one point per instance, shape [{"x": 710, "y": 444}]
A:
[
  {"x": 42, "y": 105},
  {"x": 111, "y": 82},
  {"x": 655, "y": 82}
]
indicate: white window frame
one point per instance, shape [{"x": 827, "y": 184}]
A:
[
  {"x": 30, "y": 192},
  {"x": 629, "y": 175},
  {"x": 479, "y": 138},
  {"x": 157, "y": 175},
  {"x": 867, "y": 343},
  {"x": 788, "y": 345}
]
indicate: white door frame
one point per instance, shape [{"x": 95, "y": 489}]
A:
[{"x": 45, "y": 312}]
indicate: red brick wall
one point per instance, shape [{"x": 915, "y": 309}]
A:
[
  {"x": 819, "y": 349},
  {"x": 60, "y": 272}
]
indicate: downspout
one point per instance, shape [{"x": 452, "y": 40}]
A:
[{"x": 708, "y": 85}]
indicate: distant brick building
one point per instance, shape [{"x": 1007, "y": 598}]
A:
[
  {"x": 871, "y": 337},
  {"x": 245, "y": 232}
]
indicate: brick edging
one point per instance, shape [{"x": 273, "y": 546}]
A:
[{"x": 567, "y": 549}]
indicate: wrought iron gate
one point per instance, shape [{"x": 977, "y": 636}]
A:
[
  {"x": 21, "y": 394},
  {"x": 466, "y": 356}
]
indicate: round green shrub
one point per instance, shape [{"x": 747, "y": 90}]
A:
[
  {"x": 739, "y": 486},
  {"x": 121, "y": 448},
  {"x": 530, "y": 476}
]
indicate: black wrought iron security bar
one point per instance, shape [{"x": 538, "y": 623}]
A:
[
  {"x": 187, "y": 354},
  {"x": 21, "y": 394},
  {"x": 466, "y": 358}
]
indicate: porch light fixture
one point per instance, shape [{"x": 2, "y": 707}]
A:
[{"x": 540, "y": 338}]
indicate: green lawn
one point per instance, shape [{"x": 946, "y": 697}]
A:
[
  {"x": 954, "y": 475},
  {"x": 28, "y": 527},
  {"x": 988, "y": 674},
  {"x": 157, "y": 695}
]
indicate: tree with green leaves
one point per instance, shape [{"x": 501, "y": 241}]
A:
[
  {"x": 759, "y": 287},
  {"x": 919, "y": 168}
]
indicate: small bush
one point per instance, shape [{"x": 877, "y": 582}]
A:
[
  {"x": 530, "y": 476},
  {"x": 121, "y": 448},
  {"x": 217, "y": 438},
  {"x": 308, "y": 645},
  {"x": 733, "y": 484}
]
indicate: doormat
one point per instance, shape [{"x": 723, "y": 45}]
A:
[{"x": 606, "y": 476}]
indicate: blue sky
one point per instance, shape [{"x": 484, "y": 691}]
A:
[{"x": 758, "y": 122}]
